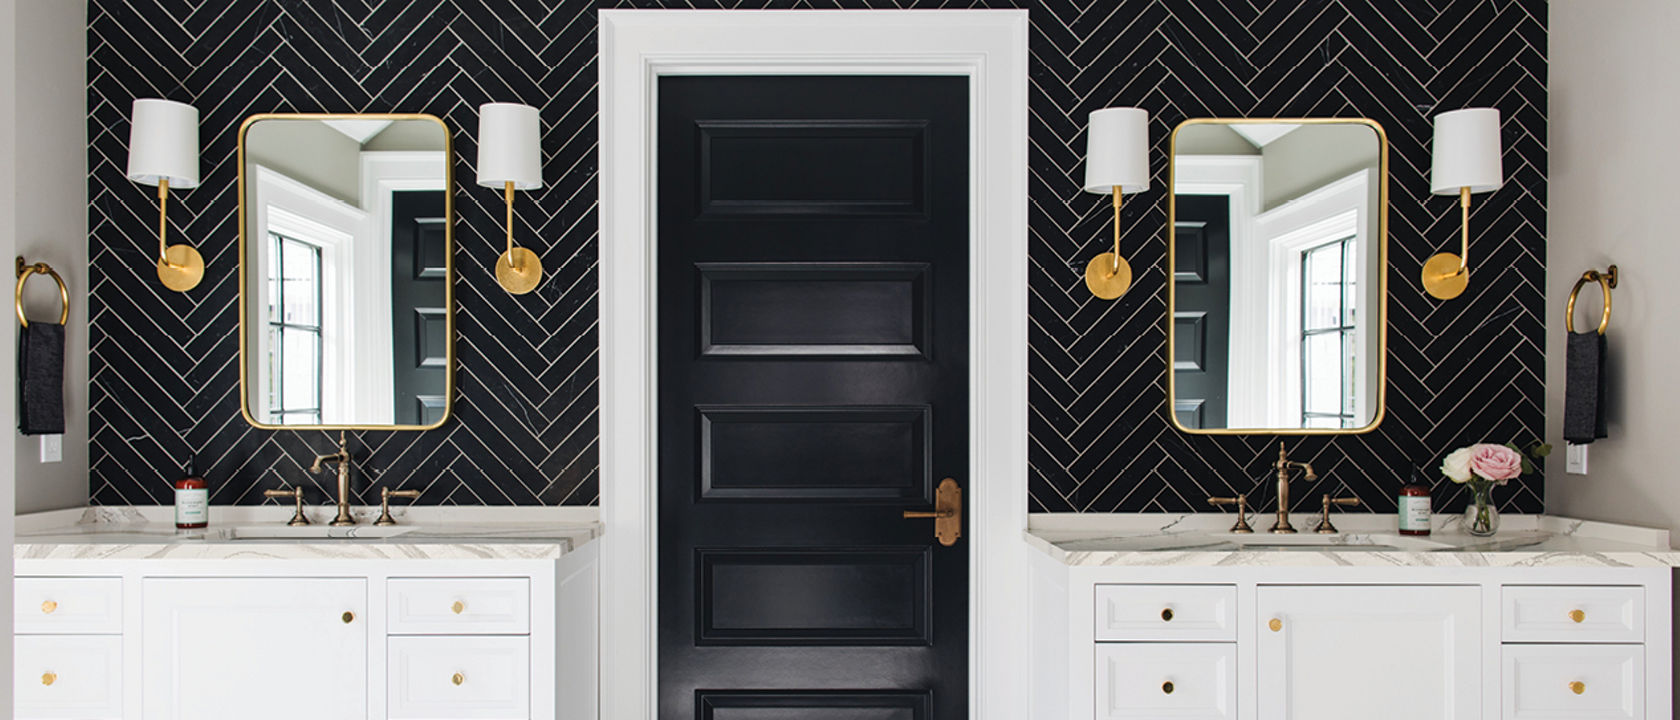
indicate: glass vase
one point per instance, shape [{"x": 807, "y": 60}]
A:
[{"x": 1481, "y": 518}]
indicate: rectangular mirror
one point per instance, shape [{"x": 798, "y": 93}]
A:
[
  {"x": 1278, "y": 245},
  {"x": 346, "y": 273}
]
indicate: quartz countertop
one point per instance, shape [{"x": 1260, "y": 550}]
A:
[
  {"x": 260, "y": 533},
  {"x": 1367, "y": 540}
]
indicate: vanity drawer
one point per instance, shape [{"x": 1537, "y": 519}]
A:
[
  {"x": 460, "y": 606},
  {"x": 1604, "y": 614},
  {"x": 1185, "y": 681},
  {"x": 67, "y": 676},
  {"x": 1601, "y": 682},
  {"x": 460, "y": 677},
  {"x": 1166, "y": 612},
  {"x": 67, "y": 605}
]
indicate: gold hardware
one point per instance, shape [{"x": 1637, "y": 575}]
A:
[
  {"x": 342, "y": 457},
  {"x": 518, "y": 270},
  {"x": 1108, "y": 275},
  {"x": 1167, "y": 687},
  {"x": 296, "y": 493},
  {"x": 49, "y": 677},
  {"x": 458, "y": 607},
  {"x": 1166, "y": 614},
  {"x": 946, "y": 513},
  {"x": 23, "y": 272},
  {"x": 1577, "y": 616},
  {"x": 385, "y": 495},
  {"x": 1606, "y": 281},
  {"x": 179, "y": 267},
  {"x": 1445, "y": 275},
  {"x": 348, "y": 617},
  {"x": 1275, "y": 624},
  {"x": 1577, "y": 687},
  {"x": 1380, "y": 382},
  {"x": 448, "y": 263},
  {"x": 457, "y": 678},
  {"x": 1324, "y": 526},
  {"x": 1283, "y": 465},
  {"x": 1241, "y": 501},
  {"x": 48, "y": 606}
]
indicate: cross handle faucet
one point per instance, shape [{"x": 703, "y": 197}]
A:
[{"x": 342, "y": 457}]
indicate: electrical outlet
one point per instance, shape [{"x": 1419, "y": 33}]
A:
[
  {"x": 1575, "y": 460},
  {"x": 52, "y": 448}
]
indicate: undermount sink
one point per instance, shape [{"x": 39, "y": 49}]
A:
[
  {"x": 1353, "y": 542},
  {"x": 313, "y": 532}
]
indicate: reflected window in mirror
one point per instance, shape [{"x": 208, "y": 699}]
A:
[
  {"x": 1278, "y": 244},
  {"x": 294, "y": 364}
]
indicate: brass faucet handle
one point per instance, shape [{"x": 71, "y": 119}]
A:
[
  {"x": 385, "y": 495},
  {"x": 1241, "y": 501},
  {"x": 1324, "y": 525},
  {"x": 296, "y": 493}
]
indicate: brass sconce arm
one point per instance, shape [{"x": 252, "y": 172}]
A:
[{"x": 1109, "y": 275}]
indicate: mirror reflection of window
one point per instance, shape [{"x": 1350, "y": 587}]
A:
[
  {"x": 1329, "y": 354},
  {"x": 294, "y": 331}
]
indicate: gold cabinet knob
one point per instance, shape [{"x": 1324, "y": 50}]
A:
[
  {"x": 1577, "y": 616},
  {"x": 457, "y": 678},
  {"x": 348, "y": 617},
  {"x": 1275, "y": 625},
  {"x": 48, "y": 606},
  {"x": 49, "y": 677},
  {"x": 1577, "y": 687},
  {"x": 458, "y": 607},
  {"x": 1167, "y": 687},
  {"x": 1166, "y": 614}
]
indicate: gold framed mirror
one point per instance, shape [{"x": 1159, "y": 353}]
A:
[
  {"x": 346, "y": 272},
  {"x": 1277, "y": 295}
]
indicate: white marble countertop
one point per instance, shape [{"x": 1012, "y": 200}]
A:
[
  {"x": 1367, "y": 540},
  {"x": 260, "y": 532}
]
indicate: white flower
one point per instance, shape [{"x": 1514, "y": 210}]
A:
[{"x": 1457, "y": 465}]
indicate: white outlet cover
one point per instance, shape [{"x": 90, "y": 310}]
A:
[
  {"x": 1575, "y": 459},
  {"x": 52, "y": 448}
]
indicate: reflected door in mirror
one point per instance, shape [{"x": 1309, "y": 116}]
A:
[{"x": 1202, "y": 317}]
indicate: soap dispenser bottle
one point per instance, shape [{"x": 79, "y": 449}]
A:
[
  {"x": 1415, "y": 505},
  {"x": 192, "y": 499}
]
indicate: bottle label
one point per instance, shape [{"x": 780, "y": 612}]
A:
[
  {"x": 192, "y": 506},
  {"x": 1414, "y": 513}
]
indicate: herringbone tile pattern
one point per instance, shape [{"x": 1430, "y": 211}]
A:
[{"x": 164, "y": 367}]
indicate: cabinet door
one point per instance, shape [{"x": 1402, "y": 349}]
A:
[
  {"x": 1378, "y": 652},
  {"x": 254, "y": 648}
]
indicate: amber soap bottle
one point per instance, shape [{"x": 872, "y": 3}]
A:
[
  {"x": 192, "y": 499},
  {"x": 1415, "y": 505}
]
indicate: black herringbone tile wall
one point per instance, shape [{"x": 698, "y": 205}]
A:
[{"x": 164, "y": 367}]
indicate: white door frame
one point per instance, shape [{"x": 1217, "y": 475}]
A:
[{"x": 987, "y": 46}]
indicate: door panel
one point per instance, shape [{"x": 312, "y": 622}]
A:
[
  {"x": 1202, "y": 319},
  {"x": 419, "y": 306},
  {"x": 812, "y": 387}
]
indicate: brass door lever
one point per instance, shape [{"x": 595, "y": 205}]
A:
[{"x": 946, "y": 513}]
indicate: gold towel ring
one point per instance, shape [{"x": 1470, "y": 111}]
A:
[
  {"x": 23, "y": 273},
  {"x": 1605, "y": 281}
]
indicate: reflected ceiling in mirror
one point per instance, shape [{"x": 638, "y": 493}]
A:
[
  {"x": 1277, "y": 297},
  {"x": 346, "y": 271}
]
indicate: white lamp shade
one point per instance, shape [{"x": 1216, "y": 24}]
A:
[
  {"x": 1467, "y": 152},
  {"x": 163, "y": 143},
  {"x": 509, "y": 146},
  {"x": 1117, "y": 150}
]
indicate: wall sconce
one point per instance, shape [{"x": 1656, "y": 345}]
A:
[
  {"x": 1116, "y": 161},
  {"x": 510, "y": 156},
  {"x": 1466, "y": 160},
  {"x": 163, "y": 151}
]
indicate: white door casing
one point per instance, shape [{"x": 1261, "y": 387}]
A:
[{"x": 987, "y": 46}]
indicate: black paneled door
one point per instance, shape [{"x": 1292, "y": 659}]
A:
[
  {"x": 813, "y": 386},
  {"x": 419, "y": 305},
  {"x": 1202, "y": 312}
]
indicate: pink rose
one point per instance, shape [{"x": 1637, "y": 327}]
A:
[{"x": 1495, "y": 462}]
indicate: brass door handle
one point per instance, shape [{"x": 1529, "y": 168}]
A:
[{"x": 946, "y": 513}]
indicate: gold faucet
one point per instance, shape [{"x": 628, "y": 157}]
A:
[
  {"x": 1283, "y": 465},
  {"x": 342, "y": 457}
]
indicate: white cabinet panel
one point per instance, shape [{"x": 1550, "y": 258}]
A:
[
  {"x": 275, "y": 648},
  {"x": 1574, "y": 682},
  {"x": 1167, "y": 612},
  {"x": 67, "y": 605},
  {"x": 460, "y": 606},
  {"x": 442, "y": 677},
  {"x": 1184, "y": 681},
  {"x": 67, "y": 677},
  {"x": 1379, "y": 652},
  {"x": 1568, "y": 613}
]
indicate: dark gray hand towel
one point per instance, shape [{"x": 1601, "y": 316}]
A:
[
  {"x": 41, "y": 379},
  {"x": 1583, "y": 388}
]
